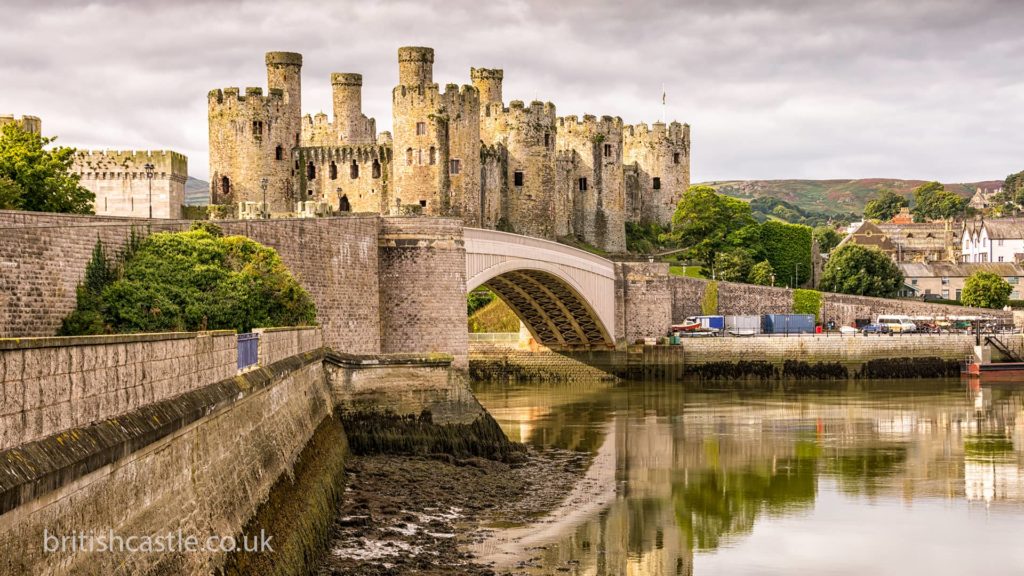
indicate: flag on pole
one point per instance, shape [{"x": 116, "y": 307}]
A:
[{"x": 662, "y": 94}]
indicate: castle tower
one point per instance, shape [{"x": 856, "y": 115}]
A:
[
  {"x": 487, "y": 81},
  {"x": 591, "y": 171},
  {"x": 436, "y": 141},
  {"x": 251, "y": 137},
  {"x": 661, "y": 158},
  {"x": 351, "y": 126},
  {"x": 415, "y": 66},
  {"x": 122, "y": 187},
  {"x": 27, "y": 123}
]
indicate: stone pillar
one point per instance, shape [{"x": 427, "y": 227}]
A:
[
  {"x": 422, "y": 264},
  {"x": 644, "y": 300}
]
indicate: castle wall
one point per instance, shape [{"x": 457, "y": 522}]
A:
[
  {"x": 118, "y": 179},
  {"x": 27, "y": 123},
  {"x": 596, "y": 147},
  {"x": 493, "y": 187},
  {"x": 659, "y": 152},
  {"x": 333, "y": 181}
]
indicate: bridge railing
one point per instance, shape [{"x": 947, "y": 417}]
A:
[{"x": 248, "y": 350}]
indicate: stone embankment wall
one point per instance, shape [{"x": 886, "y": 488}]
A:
[
  {"x": 54, "y": 384},
  {"x": 740, "y": 299},
  {"x": 201, "y": 461},
  {"x": 280, "y": 343}
]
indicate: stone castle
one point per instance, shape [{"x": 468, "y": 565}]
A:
[
  {"x": 460, "y": 151},
  {"x": 122, "y": 186},
  {"x": 27, "y": 123}
]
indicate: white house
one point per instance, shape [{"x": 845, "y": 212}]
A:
[{"x": 997, "y": 240}]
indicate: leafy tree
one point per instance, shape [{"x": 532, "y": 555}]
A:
[
  {"x": 826, "y": 237},
  {"x": 865, "y": 271},
  {"x": 788, "y": 248},
  {"x": 733, "y": 265},
  {"x": 932, "y": 202},
  {"x": 703, "y": 221},
  {"x": 477, "y": 299},
  {"x": 32, "y": 178},
  {"x": 761, "y": 273},
  {"x": 884, "y": 205},
  {"x": 644, "y": 238},
  {"x": 807, "y": 302},
  {"x": 986, "y": 290},
  {"x": 188, "y": 281}
]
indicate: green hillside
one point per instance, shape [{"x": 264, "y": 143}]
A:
[{"x": 833, "y": 196}]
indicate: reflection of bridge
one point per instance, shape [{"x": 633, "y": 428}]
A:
[{"x": 565, "y": 296}]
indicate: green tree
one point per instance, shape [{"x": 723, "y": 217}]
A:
[
  {"x": 762, "y": 273},
  {"x": 703, "y": 221},
  {"x": 884, "y": 205},
  {"x": 865, "y": 271},
  {"x": 826, "y": 237},
  {"x": 42, "y": 178},
  {"x": 192, "y": 280},
  {"x": 933, "y": 202},
  {"x": 986, "y": 290},
  {"x": 733, "y": 265}
]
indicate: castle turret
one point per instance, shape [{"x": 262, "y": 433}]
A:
[
  {"x": 415, "y": 66},
  {"x": 27, "y": 123},
  {"x": 436, "y": 141},
  {"x": 488, "y": 82},
  {"x": 591, "y": 171},
  {"x": 251, "y": 137},
  {"x": 660, "y": 158},
  {"x": 352, "y": 127}
]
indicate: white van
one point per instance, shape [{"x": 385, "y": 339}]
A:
[{"x": 898, "y": 323}]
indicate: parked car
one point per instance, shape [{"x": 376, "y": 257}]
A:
[
  {"x": 847, "y": 330},
  {"x": 875, "y": 329}
]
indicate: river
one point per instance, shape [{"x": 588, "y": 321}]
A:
[{"x": 894, "y": 477}]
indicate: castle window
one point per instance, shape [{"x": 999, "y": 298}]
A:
[
  {"x": 607, "y": 150},
  {"x": 376, "y": 169},
  {"x": 518, "y": 178},
  {"x": 583, "y": 184},
  {"x": 656, "y": 183},
  {"x": 423, "y": 203},
  {"x": 433, "y": 156},
  {"x": 257, "y": 129},
  {"x": 408, "y": 156},
  {"x": 296, "y": 164},
  {"x": 454, "y": 166},
  {"x": 310, "y": 171},
  {"x": 675, "y": 158},
  {"x": 334, "y": 171},
  {"x": 309, "y": 192},
  {"x": 279, "y": 152},
  {"x": 343, "y": 204},
  {"x": 421, "y": 128},
  {"x": 547, "y": 140},
  {"x": 353, "y": 170},
  {"x": 225, "y": 185}
]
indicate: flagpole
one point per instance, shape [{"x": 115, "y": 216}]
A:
[{"x": 663, "y": 103}]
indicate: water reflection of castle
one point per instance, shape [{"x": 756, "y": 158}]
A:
[{"x": 696, "y": 471}]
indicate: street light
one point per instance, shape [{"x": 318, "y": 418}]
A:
[
  {"x": 149, "y": 176},
  {"x": 264, "y": 212}
]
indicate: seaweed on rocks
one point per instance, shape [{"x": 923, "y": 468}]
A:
[
  {"x": 928, "y": 367},
  {"x": 384, "y": 432},
  {"x": 732, "y": 370},
  {"x": 801, "y": 370}
]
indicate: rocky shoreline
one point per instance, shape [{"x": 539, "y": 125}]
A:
[{"x": 420, "y": 514}]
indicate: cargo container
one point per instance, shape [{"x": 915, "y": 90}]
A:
[
  {"x": 711, "y": 322},
  {"x": 743, "y": 325},
  {"x": 787, "y": 323}
]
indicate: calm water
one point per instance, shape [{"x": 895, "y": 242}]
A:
[{"x": 867, "y": 479}]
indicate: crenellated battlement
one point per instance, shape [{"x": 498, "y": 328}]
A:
[
  {"x": 658, "y": 132},
  {"x": 590, "y": 125},
  {"x": 130, "y": 161},
  {"x": 346, "y": 153},
  {"x": 27, "y": 123},
  {"x": 253, "y": 96}
]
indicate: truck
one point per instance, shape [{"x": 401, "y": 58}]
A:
[
  {"x": 743, "y": 325},
  {"x": 787, "y": 323}
]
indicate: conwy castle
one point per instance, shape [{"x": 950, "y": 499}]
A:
[{"x": 458, "y": 152}]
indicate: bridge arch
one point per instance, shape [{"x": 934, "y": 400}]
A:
[{"x": 564, "y": 296}]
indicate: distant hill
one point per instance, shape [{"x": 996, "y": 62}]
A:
[
  {"x": 197, "y": 192},
  {"x": 833, "y": 196}
]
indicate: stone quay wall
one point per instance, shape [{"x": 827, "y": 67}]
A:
[
  {"x": 201, "y": 463},
  {"x": 280, "y": 343},
  {"x": 741, "y": 299},
  {"x": 53, "y": 384}
]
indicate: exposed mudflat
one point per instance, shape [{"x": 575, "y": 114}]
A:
[{"x": 421, "y": 515}]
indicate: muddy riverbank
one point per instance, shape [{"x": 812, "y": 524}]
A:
[{"x": 420, "y": 514}]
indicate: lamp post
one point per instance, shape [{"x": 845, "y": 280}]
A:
[
  {"x": 264, "y": 212},
  {"x": 149, "y": 176}
]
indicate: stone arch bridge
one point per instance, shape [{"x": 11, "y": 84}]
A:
[{"x": 565, "y": 296}]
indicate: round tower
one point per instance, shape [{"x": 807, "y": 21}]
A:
[
  {"x": 347, "y": 91},
  {"x": 415, "y": 66},
  {"x": 488, "y": 82},
  {"x": 284, "y": 72}
]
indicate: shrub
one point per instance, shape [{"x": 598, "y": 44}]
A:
[
  {"x": 709, "y": 304},
  {"x": 807, "y": 302}
]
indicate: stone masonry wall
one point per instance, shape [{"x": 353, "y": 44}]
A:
[
  {"x": 280, "y": 343},
  {"x": 206, "y": 478},
  {"x": 52, "y": 384},
  {"x": 741, "y": 299},
  {"x": 644, "y": 303}
]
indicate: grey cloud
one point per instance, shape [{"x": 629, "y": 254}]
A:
[{"x": 772, "y": 89}]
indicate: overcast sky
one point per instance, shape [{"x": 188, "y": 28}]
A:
[{"x": 929, "y": 89}]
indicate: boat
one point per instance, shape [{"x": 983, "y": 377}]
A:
[
  {"x": 687, "y": 326},
  {"x": 994, "y": 371},
  {"x": 742, "y": 332}
]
